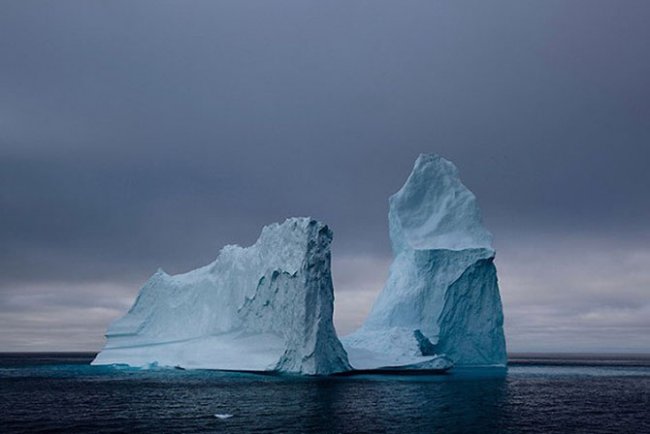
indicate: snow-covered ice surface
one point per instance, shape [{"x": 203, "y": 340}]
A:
[
  {"x": 441, "y": 298},
  {"x": 267, "y": 307}
]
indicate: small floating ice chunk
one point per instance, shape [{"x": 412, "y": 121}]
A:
[{"x": 223, "y": 416}]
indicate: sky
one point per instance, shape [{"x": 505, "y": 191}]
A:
[{"x": 144, "y": 134}]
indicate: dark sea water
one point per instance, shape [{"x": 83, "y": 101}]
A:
[{"x": 539, "y": 394}]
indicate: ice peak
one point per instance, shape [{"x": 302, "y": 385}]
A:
[{"x": 434, "y": 210}]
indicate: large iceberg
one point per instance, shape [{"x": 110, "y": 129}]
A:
[
  {"x": 267, "y": 307},
  {"x": 441, "y": 302}
]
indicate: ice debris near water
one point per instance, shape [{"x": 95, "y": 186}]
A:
[
  {"x": 441, "y": 302},
  {"x": 267, "y": 307}
]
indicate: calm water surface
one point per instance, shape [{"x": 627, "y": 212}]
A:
[{"x": 540, "y": 394}]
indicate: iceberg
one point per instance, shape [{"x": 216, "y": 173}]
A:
[
  {"x": 440, "y": 304},
  {"x": 267, "y": 307}
]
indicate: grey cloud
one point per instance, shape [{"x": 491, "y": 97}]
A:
[
  {"x": 142, "y": 134},
  {"x": 357, "y": 281},
  {"x": 575, "y": 296},
  {"x": 53, "y": 316}
]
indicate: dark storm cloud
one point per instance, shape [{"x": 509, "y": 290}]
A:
[{"x": 142, "y": 134}]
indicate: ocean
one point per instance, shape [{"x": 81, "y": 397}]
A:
[{"x": 549, "y": 393}]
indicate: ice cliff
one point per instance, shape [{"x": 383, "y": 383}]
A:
[
  {"x": 441, "y": 303},
  {"x": 267, "y": 307}
]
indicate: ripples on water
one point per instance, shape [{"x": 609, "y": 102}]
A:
[{"x": 62, "y": 393}]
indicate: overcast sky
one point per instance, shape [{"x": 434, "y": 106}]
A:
[{"x": 139, "y": 134}]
